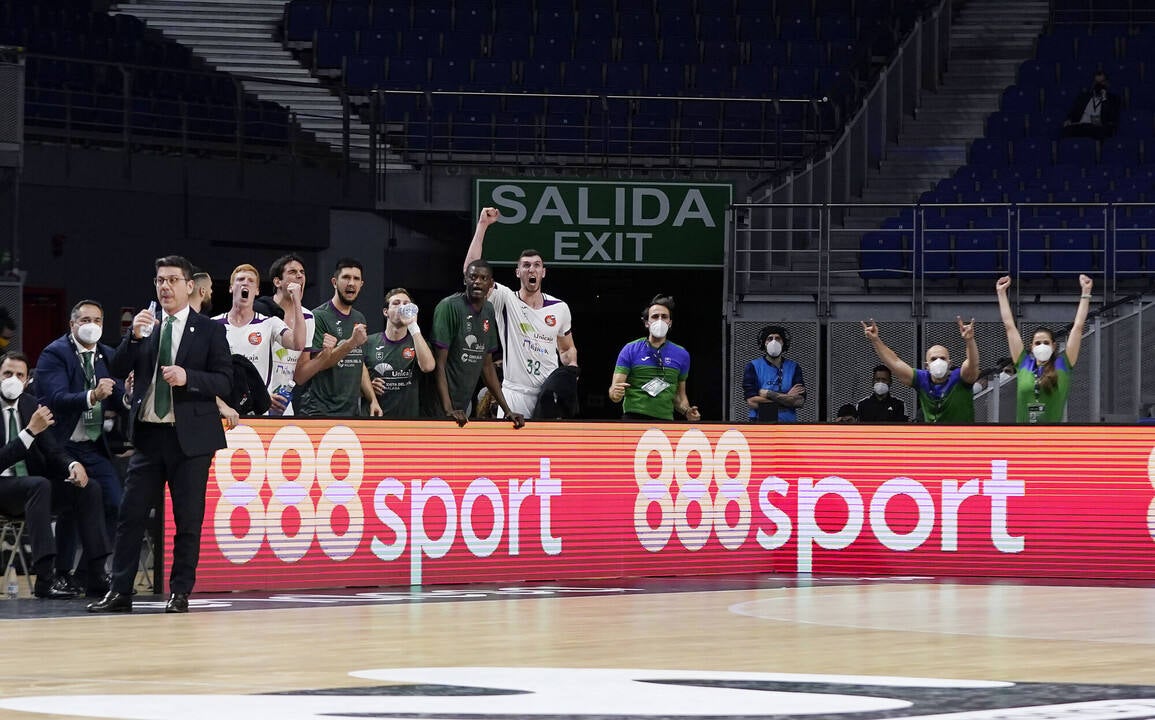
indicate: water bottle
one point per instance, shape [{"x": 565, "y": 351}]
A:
[
  {"x": 147, "y": 329},
  {"x": 408, "y": 310},
  {"x": 13, "y": 587},
  {"x": 285, "y": 392}
]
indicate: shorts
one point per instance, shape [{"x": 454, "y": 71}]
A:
[{"x": 519, "y": 401}]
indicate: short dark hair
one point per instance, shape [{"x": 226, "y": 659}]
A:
[
  {"x": 76, "y": 308},
  {"x": 347, "y": 262},
  {"x": 479, "y": 264},
  {"x": 848, "y": 410},
  {"x": 666, "y": 301},
  {"x": 16, "y": 356},
  {"x": 201, "y": 275},
  {"x": 530, "y": 252},
  {"x": 397, "y": 291},
  {"x": 176, "y": 261},
  {"x": 277, "y": 269},
  {"x": 882, "y": 368}
]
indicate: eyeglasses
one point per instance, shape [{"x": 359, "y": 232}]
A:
[{"x": 170, "y": 280}]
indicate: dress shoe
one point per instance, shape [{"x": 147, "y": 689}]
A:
[
  {"x": 113, "y": 602},
  {"x": 58, "y": 588},
  {"x": 177, "y": 603}
]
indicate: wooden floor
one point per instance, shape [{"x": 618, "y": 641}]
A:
[{"x": 1021, "y": 633}]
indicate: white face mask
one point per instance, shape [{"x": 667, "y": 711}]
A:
[
  {"x": 659, "y": 328},
  {"x": 938, "y": 368},
  {"x": 11, "y": 387},
  {"x": 881, "y": 388},
  {"x": 773, "y": 348},
  {"x": 89, "y": 333},
  {"x": 1042, "y": 353},
  {"x": 108, "y": 425}
]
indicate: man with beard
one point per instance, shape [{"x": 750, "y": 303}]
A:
[
  {"x": 201, "y": 298},
  {"x": 465, "y": 335},
  {"x": 534, "y": 327},
  {"x": 288, "y": 275},
  {"x": 334, "y": 364}
]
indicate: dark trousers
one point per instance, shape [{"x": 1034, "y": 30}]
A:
[
  {"x": 31, "y": 496},
  {"x": 35, "y": 497},
  {"x": 159, "y": 460},
  {"x": 100, "y": 471}
]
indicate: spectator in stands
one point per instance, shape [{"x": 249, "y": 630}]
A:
[
  {"x": 1043, "y": 377},
  {"x": 201, "y": 298},
  {"x": 534, "y": 327},
  {"x": 650, "y": 373},
  {"x": 772, "y": 384},
  {"x": 394, "y": 356},
  {"x": 73, "y": 380},
  {"x": 466, "y": 338},
  {"x": 944, "y": 394},
  {"x": 1095, "y": 112},
  {"x": 880, "y": 405},
  {"x": 286, "y": 271},
  {"x": 184, "y": 363},
  {"x": 37, "y": 474},
  {"x": 334, "y": 363},
  {"x": 847, "y": 414},
  {"x": 253, "y": 335}
]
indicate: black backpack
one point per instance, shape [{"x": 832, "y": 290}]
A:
[{"x": 249, "y": 396}]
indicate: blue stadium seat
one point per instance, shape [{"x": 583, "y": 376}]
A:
[
  {"x": 1021, "y": 100},
  {"x": 1006, "y": 125},
  {"x": 1120, "y": 152},
  {"x": 979, "y": 254},
  {"x": 1037, "y": 73},
  {"x": 302, "y": 18},
  {"x": 1031, "y": 151},
  {"x": 882, "y": 255},
  {"x": 639, "y": 50},
  {"x": 492, "y": 74},
  {"x": 681, "y": 50},
  {"x": 666, "y": 79},
  {"x": 348, "y": 14},
  {"x": 990, "y": 153},
  {"x": 545, "y": 49},
  {"x": 1078, "y": 151},
  {"x": 434, "y": 16}
]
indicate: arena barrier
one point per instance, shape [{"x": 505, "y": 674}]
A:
[{"x": 327, "y": 504}]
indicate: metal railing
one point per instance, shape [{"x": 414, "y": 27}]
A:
[
  {"x": 840, "y": 175},
  {"x": 132, "y": 108},
  {"x": 935, "y": 249}
]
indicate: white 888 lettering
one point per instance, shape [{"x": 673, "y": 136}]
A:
[
  {"x": 267, "y": 467},
  {"x": 692, "y": 489}
]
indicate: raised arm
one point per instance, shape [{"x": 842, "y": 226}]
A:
[
  {"x": 898, "y": 369},
  {"x": 488, "y": 217},
  {"x": 1075, "y": 337},
  {"x": 566, "y": 349},
  {"x": 295, "y": 337},
  {"x": 969, "y": 371},
  {"x": 1014, "y": 339}
]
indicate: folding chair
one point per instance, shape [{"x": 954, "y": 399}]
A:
[{"x": 12, "y": 542}]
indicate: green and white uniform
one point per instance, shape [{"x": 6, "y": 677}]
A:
[
  {"x": 468, "y": 335},
  {"x": 336, "y": 391}
]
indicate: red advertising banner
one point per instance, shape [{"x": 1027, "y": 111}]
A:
[{"x": 315, "y": 504}]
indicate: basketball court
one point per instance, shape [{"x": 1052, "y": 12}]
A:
[{"x": 738, "y": 646}]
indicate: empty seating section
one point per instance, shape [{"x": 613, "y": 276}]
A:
[
  {"x": 1034, "y": 202},
  {"x": 99, "y": 75},
  {"x": 719, "y": 62}
]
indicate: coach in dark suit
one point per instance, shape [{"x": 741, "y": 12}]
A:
[
  {"x": 36, "y": 475},
  {"x": 180, "y": 368},
  {"x": 73, "y": 380}
]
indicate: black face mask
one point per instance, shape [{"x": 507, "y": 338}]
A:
[{"x": 1099, "y": 88}]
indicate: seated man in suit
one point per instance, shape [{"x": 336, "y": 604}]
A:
[
  {"x": 1095, "y": 112},
  {"x": 36, "y": 472},
  {"x": 73, "y": 380}
]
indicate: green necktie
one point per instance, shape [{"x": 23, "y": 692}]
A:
[
  {"x": 19, "y": 468},
  {"x": 162, "y": 393},
  {"x": 93, "y": 418}
]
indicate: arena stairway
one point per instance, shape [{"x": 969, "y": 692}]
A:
[
  {"x": 989, "y": 39},
  {"x": 239, "y": 37}
]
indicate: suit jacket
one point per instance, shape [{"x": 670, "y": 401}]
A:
[
  {"x": 59, "y": 384},
  {"x": 1109, "y": 112},
  {"x": 45, "y": 457},
  {"x": 208, "y": 365}
]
